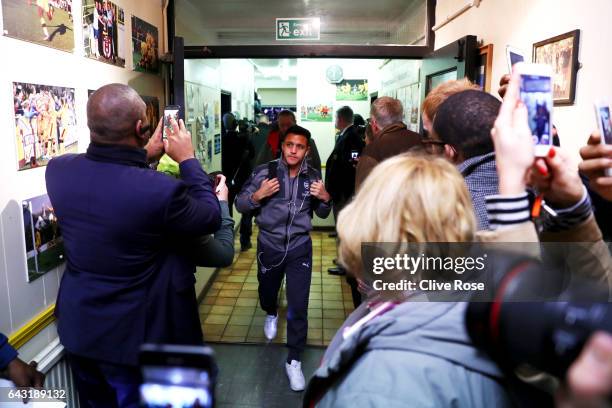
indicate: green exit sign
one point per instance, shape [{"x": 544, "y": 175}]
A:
[{"x": 298, "y": 29}]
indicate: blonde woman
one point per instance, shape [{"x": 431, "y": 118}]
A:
[{"x": 418, "y": 354}]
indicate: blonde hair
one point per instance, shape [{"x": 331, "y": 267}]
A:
[
  {"x": 442, "y": 92},
  {"x": 407, "y": 198}
]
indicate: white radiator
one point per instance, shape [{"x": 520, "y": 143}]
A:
[{"x": 52, "y": 363}]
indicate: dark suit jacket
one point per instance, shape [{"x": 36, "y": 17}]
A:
[
  {"x": 341, "y": 166},
  {"x": 126, "y": 281}
]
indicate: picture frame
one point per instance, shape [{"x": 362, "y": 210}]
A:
[
  {"x": 561, "y": 53},
  {"x": 484, "y": 67}
]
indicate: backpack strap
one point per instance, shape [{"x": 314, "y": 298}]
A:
[{"x": 272, "y": 169}]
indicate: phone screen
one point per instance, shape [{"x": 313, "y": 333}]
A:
[
  {"x": 174, "y": 387},
  {"x": 514, "y": 58},
  {"x": 606, "y": 124},
  {"x": 536, "y": 94},
  {"x": 169, "y": 113}
]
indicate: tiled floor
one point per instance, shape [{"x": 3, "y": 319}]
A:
[
  {"x": 230, "y": 311},
  {"x": 253, "y": 375}
]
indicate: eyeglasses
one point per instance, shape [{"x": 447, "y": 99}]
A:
[
  {"x": 433, "y": 146},
  {"x": 432, "y": 142}
]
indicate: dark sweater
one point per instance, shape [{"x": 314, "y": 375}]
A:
[{"x": 392, "y": 140}]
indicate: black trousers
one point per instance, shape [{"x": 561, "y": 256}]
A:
[
  {"x": 105, "y": 385},
  {"x": 297, "y": 267},
  {"x": 355, "y": 294},
  {"x": 246, "y": 228}
]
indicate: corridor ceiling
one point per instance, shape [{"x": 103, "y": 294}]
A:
[{"x": 350, "y": 22}]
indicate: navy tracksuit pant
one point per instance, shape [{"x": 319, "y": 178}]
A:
[{"x": 297, "y": 267}]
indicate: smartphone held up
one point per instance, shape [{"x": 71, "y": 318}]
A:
[
  {"x": 170, "y": 112},
  {"x": 513, "y": 56},
  {"x": 603, "y": 116},
  {"x": 176, "y": 376},
  {"x": 536, "y": 94}
]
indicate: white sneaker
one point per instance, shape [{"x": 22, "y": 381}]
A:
[
  {"x": 296, "y": 377},
  {"x": 270, "y": 326}
]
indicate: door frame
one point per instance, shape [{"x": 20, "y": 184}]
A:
[
  {"x": 310, "y": 50},
  {"x": 460, "y": 56}
]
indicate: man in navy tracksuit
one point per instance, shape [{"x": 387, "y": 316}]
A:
[{"x": 285, "y": 193}]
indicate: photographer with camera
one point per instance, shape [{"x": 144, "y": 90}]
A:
[
  {"x": 589, "y": 378},
  {"x": 553, "y": 332}
]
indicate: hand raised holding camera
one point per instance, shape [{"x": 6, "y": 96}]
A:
[
  {"x": 514, "y": 152},
  {"x": 155, "y": 145},
  {"x": 178, "y": 143},
  {"x": 556, "y": 177},
  {"x": 267, "y": 188},
  {"x": 596, "y": 158}
]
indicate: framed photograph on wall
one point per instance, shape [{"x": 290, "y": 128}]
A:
[
  {"x": 561, "y": 53},
  {"x": 352, "y": 90},
  {"x": 45, "y": 123},
  {"x": 48, "y": 23},
  {"x": 484, "y": 67},
  {"x": 317, "y": 112},
  {"x": 104, "y": 32},
  {"x": 217, "y": 139},
  {"x": 145, "y": 40},
  {"x": 43, "y": 238},
  {"x": 152, "y": 103}
]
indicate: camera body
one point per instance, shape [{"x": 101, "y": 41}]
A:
[{"x": 536, "y": 321}]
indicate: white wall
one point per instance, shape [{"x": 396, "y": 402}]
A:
[
  {"x": 523, "y": 22},
  {"x": 277, "y": 96},
  {"x": 213, "y": 75},
  {"x": 238, "y": 77},
  {"x": 26, "y": 62},
  {"x": 313, "y": 88},
  {"x": 233, "y": 75}
]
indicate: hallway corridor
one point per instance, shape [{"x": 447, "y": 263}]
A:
[{"x": 230, "y": 311}]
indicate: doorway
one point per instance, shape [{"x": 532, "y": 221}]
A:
[{"x": 226, "y": 107}]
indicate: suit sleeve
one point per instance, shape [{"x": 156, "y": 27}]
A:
[
  {"x": 364, "y": 167},
  {"x": 244, "y": 201},
  {"x": 194, "y": 208},
  {"x": 216, "y": 251},
  {"x": 7, "y": 352},
  {"x": 323, "y": 209}
]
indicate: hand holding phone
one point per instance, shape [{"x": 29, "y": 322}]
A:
[
  {"x": 596, "y": 161},
  {"x": 170, "y": 112},
  {"x": 177, "y": 376},
  {"x": 513, "y": 56},
  {"x": 178, "y": 144},
  {"x": 514, "y": 149},
  {"x": 155, "y": 145},
  {"x": 536, "y": 94},
  {"x": 603, "y": 115}
]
